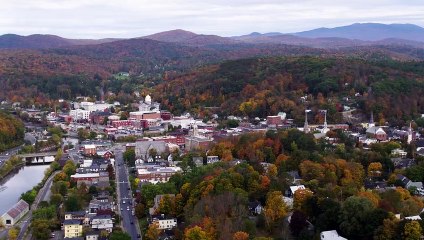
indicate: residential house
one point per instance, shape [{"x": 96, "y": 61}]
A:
[
  {"x": 102, "y": 204},
  {"x": 294, "y": 177},
  {"x": 331, "y": 235},
  {"x": 72, "y": 228},
  {"x": 290, "y": 192},
  {"x": 102, "y": 222},
  {"x": 212, "y": 159},
  {"x": 407, "y": 183},
  {"x": 255, "y": 207},
  {"x": 403, "y": 163},
  {"x": 164, "y": 222},
  {"x": 198, "y": 161},
  {"x": 92, "y": 235}
]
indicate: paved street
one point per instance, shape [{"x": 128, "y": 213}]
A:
[{"x": 129, "y": 222}]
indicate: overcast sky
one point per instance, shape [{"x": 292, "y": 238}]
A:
[{"x": 134, "y": 18}]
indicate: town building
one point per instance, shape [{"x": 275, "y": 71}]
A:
[
  {"x": 16, "y": 212},
  {"x": 157, "y": 174},
  {"x": 102, "y": 222},
  {"x": 79, "y": 114},
  {"x": 72, "y": 228}
]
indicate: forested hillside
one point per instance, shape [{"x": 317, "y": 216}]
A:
[
  {"x": 11, "y": 131},
  {"x": 265, "y": 86}
]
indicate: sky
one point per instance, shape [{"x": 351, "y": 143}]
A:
[{"x": 135, "y": 18}]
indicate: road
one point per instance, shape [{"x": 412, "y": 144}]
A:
[
  {"x": 128, "y": 221},
  {"x": 4, "y": 156},
  {"x": 40, "y": 197}
]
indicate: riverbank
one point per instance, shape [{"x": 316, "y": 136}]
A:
[{"x": 9, "y": 168}]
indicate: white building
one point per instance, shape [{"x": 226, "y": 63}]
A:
[
  {"x": 93, "y": 107},
  {"x": 102, "y": 222},
  {"x": 164, "y": 222},
  {"x": 79, "y": 114},
  {"x": 331, "y": 235},
  {"x": 15, "y": 213}
]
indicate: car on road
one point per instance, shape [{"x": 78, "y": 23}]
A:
[
  {"x": 138, "y": 235},
  {"x": 128, "y": 208},
  {"x": 123, "y": 201}
]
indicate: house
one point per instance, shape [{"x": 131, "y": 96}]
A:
[
  {"x": 102, "y": 222},
  {"x": 371, "y": 184},
  {"x": 87, "y": 178},
  {"x": 290, "y": 192},
  {"x": 198, "y": 161},
  {"x": 164, "y": 222},
  {"x": 72, "y": 228},
  {"x": 407, "y": 183},
  {"x": 377, "y": 133},
  {"x": 212, "y": 159},
  {"x": 157, "y": 200},
  {"x": 255, "y": 208},
  {"x": 89, "y": 149},
  {"x": 398, "y": 153},
  {"x": 331, "y": 235},
  {"x": 403, "y": 163},
  {"x": 294, "y": 177},
  {"x": 167, "y": 235},
  {"x": 16, "y": 212},
  {"x": 80, "y": 215},
  {"x": 100, "y": 204},
  {"x": 105, "y": 154},
  {"x": 92, "y": 235}
]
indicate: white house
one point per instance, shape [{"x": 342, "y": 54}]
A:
[
  {"x": 164, "y": 222},
  {"x": 331, "y": 235}
]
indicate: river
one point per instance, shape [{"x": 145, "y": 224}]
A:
[{"x": 19, "y": 182}]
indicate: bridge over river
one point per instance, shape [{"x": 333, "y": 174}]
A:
[{"x": 38, "y": 158}]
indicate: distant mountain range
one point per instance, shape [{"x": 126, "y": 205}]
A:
[
  {"x": 369, "y": 32},
  {"x": 355, "y": 35},
  {"x": 39, "y": 41}
]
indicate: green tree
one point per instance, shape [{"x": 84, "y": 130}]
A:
[
  {"x": 72, "y": 203},
  {"x": 40, "y": 229},
  {"x": 353, "y": 218},
  {"x": 118, "y": 235},
  {"x": 129, "y": 157},
  {"x": 412, "y": 231}
]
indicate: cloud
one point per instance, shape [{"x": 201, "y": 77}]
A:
[{"x": 134, "y": 18}]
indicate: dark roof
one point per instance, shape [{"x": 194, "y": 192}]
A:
[
  {"x": 403, "y": 162},
  {"x": 419, "y": 143},
  {"x": 254, "y": 204},
  {"x": 294, "y": 174},
  {"x": 161, "y": 217},
  {"x": 403, "y": 179},
  {"x": 370, "y": 184},
  {"x": 76, "y": 213},
  {"x": 71, "y": 222}
]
